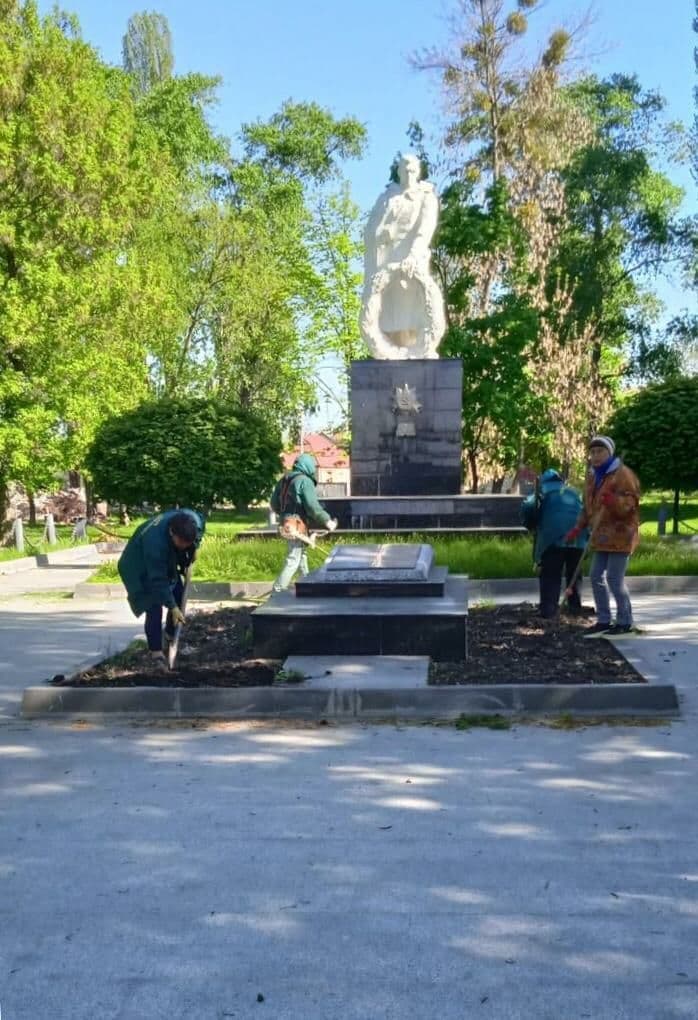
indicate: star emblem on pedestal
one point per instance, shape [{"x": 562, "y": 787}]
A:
[{"x": 405, "y": 400}]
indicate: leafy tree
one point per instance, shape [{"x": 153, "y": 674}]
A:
[
  {"x": 336, "y": 252},
  {"x": 622, "y": 216},
  {"x": 482, "y": 81},
  {"x": 76, "y": 174},
  {"x": 303, "y": 140},
  {"x": 511, "y": 133},
  {"x": 147, "y": 50},
  {"x": 656, "y": 431},
  {"x": 183, "y": 452},
  {"x": 668, "y": 356}
]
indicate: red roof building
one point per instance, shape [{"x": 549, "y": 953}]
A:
[{"x": 333, "y": 462}]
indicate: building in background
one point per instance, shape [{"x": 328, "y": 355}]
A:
[{"x": 333, "y": 463}]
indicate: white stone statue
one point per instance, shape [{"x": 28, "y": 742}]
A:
[{"x": 402, "y": 313}]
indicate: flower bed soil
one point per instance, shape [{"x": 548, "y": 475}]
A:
[
  {"x": 511, "y": 644},
  {"x": 507, "y": 644}
]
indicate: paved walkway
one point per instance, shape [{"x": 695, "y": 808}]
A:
[{"x": 357, "y": 873}]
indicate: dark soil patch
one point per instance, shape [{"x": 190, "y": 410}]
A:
[
  {"x": 215, "y": 652},
  {"x": 511, "y": 644},
  {"x": 507, "y": 644}
]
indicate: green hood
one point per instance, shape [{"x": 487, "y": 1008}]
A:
[{"x": 307, "y": 466}]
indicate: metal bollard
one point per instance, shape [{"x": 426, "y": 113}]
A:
[
  {"x": 80, "y": 530},
  {"x": 662, "y": 518}
]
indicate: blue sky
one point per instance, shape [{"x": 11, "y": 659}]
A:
[{"x": 352, "y": 56}]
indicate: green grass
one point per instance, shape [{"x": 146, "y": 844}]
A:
[
  {"x": 489, "y": 722},
  {"x": 688, "y": 512},
  {"x": 219, "y": 522},
  {"x": 221, "y": 558},
  {"x": 33, "y": 544}
]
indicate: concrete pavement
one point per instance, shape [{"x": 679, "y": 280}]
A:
[
  {"x": 361, "y": 873},
  {"x": 40, "y": 637},
  {"x": 351, "y": 873}
]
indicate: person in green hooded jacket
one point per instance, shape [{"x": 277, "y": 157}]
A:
[
  {"x": 295, "y": 501},
  {"x": 152, "y": 567}
]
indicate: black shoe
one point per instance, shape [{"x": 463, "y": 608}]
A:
[
  {"x": 622, "y": 630},
  {"x": 598, "y": 630}
]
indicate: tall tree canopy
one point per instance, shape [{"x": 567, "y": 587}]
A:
[
  {"x": 147, "y": 50},
  {"x": 138, "y": 256}
]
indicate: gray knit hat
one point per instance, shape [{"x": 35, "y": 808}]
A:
[{"x": 603, "y": 441}]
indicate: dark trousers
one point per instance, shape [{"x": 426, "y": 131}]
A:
[
  {"x": 555, "y": 559},
  {"x": 153, "y": 619}
]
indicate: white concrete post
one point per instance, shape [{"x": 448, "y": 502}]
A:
[
  {"x": 18, "y": 533},
  {"x": 50, "y": 530}
]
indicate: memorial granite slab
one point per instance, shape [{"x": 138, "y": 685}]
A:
[{"x": 377, "y": 569}]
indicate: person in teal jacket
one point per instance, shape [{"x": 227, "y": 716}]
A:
[
  {"x": 295, "y": 501},
  {"x": 152, "y": 567},
  {"x": 547, "y": 513}
]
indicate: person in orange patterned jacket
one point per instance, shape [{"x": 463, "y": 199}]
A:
[{"x": 611, "y": 511}]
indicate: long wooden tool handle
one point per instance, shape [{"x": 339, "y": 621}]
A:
[{"x": 174, "y": 643}]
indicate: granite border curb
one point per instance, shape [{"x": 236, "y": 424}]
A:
[
  {"x": 649, "y": 584},
  {"x": 278, "y": 702},
  {"x": 199, "y": 591},
  {"x": 60, "y": 556},
  {"x": 216, "y": 591}
]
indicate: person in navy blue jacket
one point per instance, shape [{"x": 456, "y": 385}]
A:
[{"x": 152, "y": 567}]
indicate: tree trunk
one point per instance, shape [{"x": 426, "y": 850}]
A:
[
  {"x": 4, "y": 506},
  {"x": 32, "y": 507},
  {"x": 497, "y": 484},
  {"x": 472, "y": 461},
  {"x": 675, "y": 524},
  {"x": 89, "y": 500}
]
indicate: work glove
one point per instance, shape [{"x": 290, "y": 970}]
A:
[
  {"x": 331, "y": 524},
  {"x": 573, "y": 534},
  {"x": 178, "y": 617},
  {"x": 608, "y": 498}
]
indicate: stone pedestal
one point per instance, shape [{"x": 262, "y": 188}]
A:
[
  {"x": 406, "y": 427},
  {"x": 368, "y": 600}
]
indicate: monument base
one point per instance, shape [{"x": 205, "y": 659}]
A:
[
  {"x": 363, "y": 616},
  {"x": 434, "y": 626},
  {"x": 406, "y": 427}
]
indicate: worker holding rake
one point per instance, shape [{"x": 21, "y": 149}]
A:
[
  {"x": 295, "y": 501},
  {"x": 611, "y": 509}
]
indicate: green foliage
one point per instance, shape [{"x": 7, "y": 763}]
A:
[
  {"x": 222, "y": 558},
  {"x": 622, "y": 212},
  {"x": 137, "y": 258},
  {"x": 304, "y": 139},
  {"x": 656, "y": 432},
  {"x": 289, "y": 676},
  {"x": 495, "y": 721},
  {"x": 498, "y": 403},
  {"x": 336, "y": 249},
  {"x": 182, "y": 452},
  {"x": 73, "y": 183}
]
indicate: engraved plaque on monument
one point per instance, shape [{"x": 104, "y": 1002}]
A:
[{"x": 389, "y": 569}]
